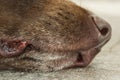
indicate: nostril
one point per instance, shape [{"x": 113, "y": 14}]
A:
[
  {"x": 101, "y": 25},
  {"x": 104, "y": 31}
]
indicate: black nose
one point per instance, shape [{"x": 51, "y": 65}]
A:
[{"x": 103, "y": 28}]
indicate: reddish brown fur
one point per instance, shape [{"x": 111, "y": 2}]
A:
[{"x": 58, "y": 34}]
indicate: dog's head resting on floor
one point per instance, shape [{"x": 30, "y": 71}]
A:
[{"x": 48, "y": 35}]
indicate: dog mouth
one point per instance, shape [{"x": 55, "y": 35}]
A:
[
  {"x": 15, "y": 48},
  {"x": 85, "y": 57},
  {"x": 11, "y": 48}
]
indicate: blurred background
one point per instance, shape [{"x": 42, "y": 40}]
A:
[{"x": 105, "y": 66}]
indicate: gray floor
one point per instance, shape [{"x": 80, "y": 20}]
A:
[{"x": 106, "y": 66}]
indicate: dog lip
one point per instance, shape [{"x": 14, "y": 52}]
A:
[{"x": 86, "y": 56}]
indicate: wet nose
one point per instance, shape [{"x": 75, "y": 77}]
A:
[{"x": 103, "y": 28}]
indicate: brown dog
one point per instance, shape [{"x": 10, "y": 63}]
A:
[{"x": 48, "y": 35}]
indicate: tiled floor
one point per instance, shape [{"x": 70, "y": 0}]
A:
[{"x": 106, "y": 66}]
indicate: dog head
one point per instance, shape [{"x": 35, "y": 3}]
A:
[{"x": 49, "y": 35}]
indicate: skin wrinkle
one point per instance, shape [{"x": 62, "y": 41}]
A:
[{"x": 58, "y": 33}]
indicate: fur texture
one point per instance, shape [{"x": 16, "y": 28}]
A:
[{"x": 57, "y": 34}]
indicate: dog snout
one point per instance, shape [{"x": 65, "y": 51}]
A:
[{"x": 104, "y": 29}]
